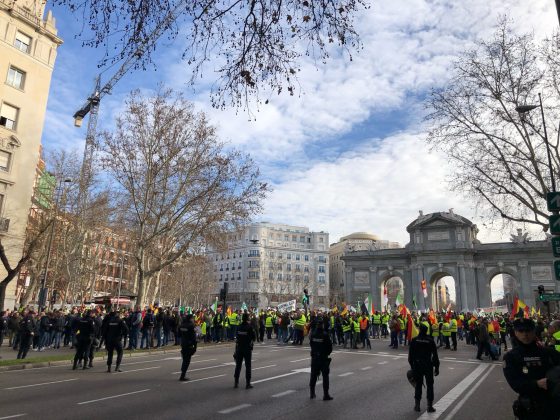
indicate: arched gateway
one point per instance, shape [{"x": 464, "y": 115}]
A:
[{"x": 444, "y": 245}]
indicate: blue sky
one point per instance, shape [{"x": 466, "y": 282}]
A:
[{"x": 347, "y": 152}]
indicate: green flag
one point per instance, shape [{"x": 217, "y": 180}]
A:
[
  {"x": 214, "y": 306},
  {"x": 414, "y": 301}
]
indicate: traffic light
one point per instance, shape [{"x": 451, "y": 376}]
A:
[
  {"x": 540, "y": 288},
  {"x": 223, "y": 292}
]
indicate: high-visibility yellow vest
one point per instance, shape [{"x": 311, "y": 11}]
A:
[
  {"x": 300, "y": 323},
  {"x": 556, "y": 336},
  {"x": 356, "y": 325},
  {"x": 332, "y": 321},
  {"x": 233, "y": 319},
  {"x": 376, "y": 319},
  {"x": 268, "y": 322},
  {"x": 346, "y": 325},
  {"x": 435, "y": 329},
  {"x": 453, "y": 326},
  {"x": 445, "y": 331},
  {"x": 503, "y": 326}
]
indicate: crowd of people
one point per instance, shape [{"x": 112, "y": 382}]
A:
[{"x": 154, "y": 327}]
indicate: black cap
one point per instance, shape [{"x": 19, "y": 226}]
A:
[{"x": 524, "y": 325}]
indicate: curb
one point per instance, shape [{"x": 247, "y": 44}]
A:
[{"x": 126, "y": 354}]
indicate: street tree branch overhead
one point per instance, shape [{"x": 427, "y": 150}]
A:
[
  {"x": 257, "y": 44},
  {"x": 499, "y": 155},
  {"x": 176, "y": 183}
]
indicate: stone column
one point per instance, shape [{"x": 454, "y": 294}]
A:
[
  {"x": 463, "y": 287},
  {"x": 526, "y": 291},
  {"x": 374, "y": 288},
  {"x": 484, "y": 293},
  {"x": 348, "y": 283}
]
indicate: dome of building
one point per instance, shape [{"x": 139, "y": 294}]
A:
[{"x": 360, "y": 235}]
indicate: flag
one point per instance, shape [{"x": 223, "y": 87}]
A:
[
  {"x": 533, "y": 312},
  {"x": 403, "y": 310},
  {"x": 344, "y": 311},
  {"x": 214, "y": 306},
  {"x": 399, "y": 300},
  {"x": 189, "y": 310},
  {"x": 424, "y": 288},
  {"x": 520, "y": 309},
  {"x": 448, "y": 313},
  {"x": 539, "y": 312},
  {"x": 432, "y": 316},
  {"x": 367, "y": 306},
  {"x": 414, "y": 302},
  {"x": 411, "y": 329},
  {"x": 228, "y": 312},
  {"x": 385, "y": 297}
]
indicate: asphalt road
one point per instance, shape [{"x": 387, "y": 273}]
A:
[{"x": 364, "y": 384}]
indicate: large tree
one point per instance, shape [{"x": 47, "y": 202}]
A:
[
  {"x": 253, "y": 43},
  {"x": 176, "y": 182},
  {"x": 499, "y": 156}
]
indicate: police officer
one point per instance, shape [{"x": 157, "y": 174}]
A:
[
  {"x": 96, "y": 338},
  {"x": 27, "y": 327},
  {"x": 525, "y": 368},
  {"x": 84, "y": 334},
  {"x": 113, "y": 330},
  {"x": 321, "y": 348},
  {"x": 188, "y": 344},
  {"x": 243, "y": 351},
  {"x": 424, "y": 362}
]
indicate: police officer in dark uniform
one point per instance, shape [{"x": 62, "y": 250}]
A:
[
  {"x": 96, "y": 338},
  {"x": 321, "y": 348},
  {"x": 84, "y": 334},
  {"x": 424, "y": 362},
  {"x": 525, "y": 369},
  {"x": 27, "y": 327},
  {"x": 188, "y": 344},
  {"x": 243, "y": 350},
  {"x": 113, "y": 330}
]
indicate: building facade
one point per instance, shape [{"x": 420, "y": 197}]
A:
[
  {"x": 358, "y": 241},
  {"x": 269, "y": 263},
  {"x": 28, "y": 48}
]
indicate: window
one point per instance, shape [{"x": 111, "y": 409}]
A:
[
  {"x": 294, "y": 238},
  {"x": 23, "y": 42},
  {"x": 298, "y": 277},
  {"x": 8, "y": 116},
  {"x": 254, "y": 253},
  {"x": 289, "y": 267},
  {"x": 298, "y": 257},
  {"x": 15, "y": 78},
  {"x": 286, "y": 238},
  {"x": 271, "y": 254},
  {"x": 279, "y": 276},
  {"x": 271, "y": 276},
  {"x": 5, "y": 158},
  {"x": 306, "y": 279},
  {"x": 253, "y": 274},
  {"x": 289, "y": 256},
  {"x": 306, "y": 269},
  {"x": 298, "y": 267},
  {"x": 321, "y": 269},
  {"x": 271, "y": 265},
  {"x": 321, "y": 279},
  {"x": 306, "y": 257},
  {"x": 279, "y": 266},
  {"x": 288, "y": 277},
  {"x": 302, "y": 238},
  {"x": 322, "y": 259},
  {"x": 321, "y": 239}
]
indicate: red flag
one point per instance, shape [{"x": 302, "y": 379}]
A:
[{"x": 411, "y": 329}]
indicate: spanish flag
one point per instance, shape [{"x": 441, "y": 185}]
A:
[
  {"x": 432, "y": 317},
  {"x": 520, "y": 309},
  {"x": 412, "y": 330},
  {"x": 228, "y": 312}
]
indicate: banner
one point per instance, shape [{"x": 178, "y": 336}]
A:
[{"x": 287, "y": 306}]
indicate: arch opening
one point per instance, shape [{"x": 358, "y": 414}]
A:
[
  {"x": 392, "y": 293},
  {"x": 443, "y": 292},
  {"x": 503, "y": 291}
]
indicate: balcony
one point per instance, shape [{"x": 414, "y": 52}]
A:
[{"x": 4, "y": 225}]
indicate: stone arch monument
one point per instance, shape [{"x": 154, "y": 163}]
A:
[{"x": 445, "y": 244}]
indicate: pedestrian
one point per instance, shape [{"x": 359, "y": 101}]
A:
[
  {"x": 114, "y": 328},
  {"x": 525, "y": 369},
  {"x": 364, "y": 330},
  {"x": 27, "y": 330},
  {"x": 424, "y": 362},
  {"x": 394, "y": 326},
  {"x": 188, "y": 344},
  {"x": 243, "y": 351},
  {"x": 484, "y": 341},
  {"x": 148, "y": 329},
  {"x": 453, "y": 332},
  {"x": 321, "y": 348},
  {"x": 84, "y": 329}
]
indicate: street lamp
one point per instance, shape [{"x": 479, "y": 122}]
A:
[
  {"x": 120, "y": 284},
  {"x": 523, "y": 109},
  {"x": 43, "y": 293}
]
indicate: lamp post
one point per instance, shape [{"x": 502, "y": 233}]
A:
[
  {"x": 523, "y": 109},
  {"x": 43, "y": 292},
  {"x": 120, "y": 284}
]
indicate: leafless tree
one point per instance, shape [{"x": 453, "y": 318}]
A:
[
  {"x": 256, "y": 43},
  {"x": 499, "y": 156},
  {"x": 176, "y": 182}
]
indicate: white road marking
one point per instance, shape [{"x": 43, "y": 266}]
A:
[
  {"x": 203, "y": 379},
  {"x": 450, "y": 358},
  {"x": 263, "y": 367},
  {"x": 43, "y": 383},
  {"x": 201, "y": 361},
  {"x": 204, "y": 368},
  {"x": 451, "y": 368},
  {"x": 13, "y": 416},
  {"x": 346, "y": 374},
  {"x": 138, "y": 370},
  {"x": 449, "y": 398},
  {"x": 113, "y": 396},
  {"x": 293, "y": 372},
  {"x": 282, "y": 394},
  {"x": 299, "y": 360},
  {"x": 272, "y": 351},
  {"x": 397, "y": 358},
  {"x": 236, "y": 408},
  {"x": 381, "y": 363},
  {"x": 468, "y": 395},
  {"x": 366, "y": 368},
  {"x": 404, "y": 354}
]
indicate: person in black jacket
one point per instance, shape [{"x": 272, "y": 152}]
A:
[
  {"x": 424, "y": 362},
  {"x": 321, "y": 348},
  {"x": 85, "y": 330},
  {"x": 96, "y": 338},
  {"x": 188, "y": 344},
  {"x": 27, "y": 329},
  {"x": 525, "y": 369},
  {"x": 243, "y": 350},
  {"x": 113, "y": 330}
]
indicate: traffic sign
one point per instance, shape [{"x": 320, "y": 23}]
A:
[
  {"x": 554, "y": 222},
  {"x": 557, "y": 269},
  {"x": 553, "y": 201},
  {"x": 556, "y": 246},
  {"x": 548, "y": 297}
]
